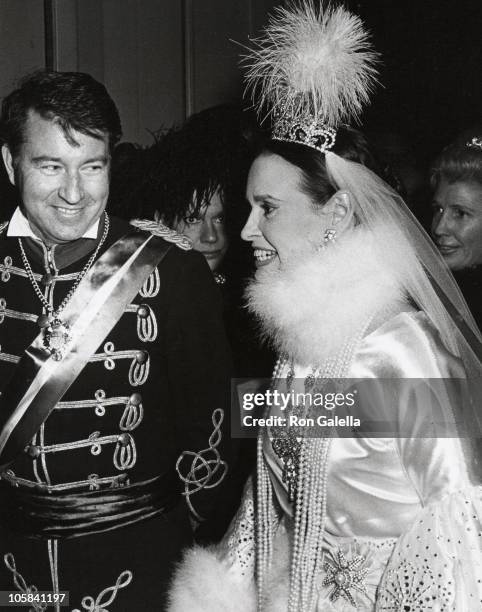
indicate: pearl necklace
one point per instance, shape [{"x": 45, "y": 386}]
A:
[
  {"x": 310, "y": 503},
  {"x": 56, "y": 333}
]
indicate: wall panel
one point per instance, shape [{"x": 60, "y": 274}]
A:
[
  {"x": 159, "y": 59},
  {"x": 161, "y": 65},
  {"x": 121, "y": 49},
  {"x": 21, "y": 41},
  {"x": 218, "y": 26}
]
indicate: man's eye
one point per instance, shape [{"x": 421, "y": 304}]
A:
[
  {"x": 50, "y": 168},
  {"x": 95, "y": 168},
  {"x": 191, "y": 220},
  {"x": 219, "y": 219}
]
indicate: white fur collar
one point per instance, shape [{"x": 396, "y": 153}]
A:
[{"x": 311, "y": 309}]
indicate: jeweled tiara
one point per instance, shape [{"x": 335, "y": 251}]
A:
[{"x": 312, "y": 69}]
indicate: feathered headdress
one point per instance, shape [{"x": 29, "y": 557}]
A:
[{"x": 312, "y": 69}]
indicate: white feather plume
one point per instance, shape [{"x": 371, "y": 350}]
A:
[{"x": 316, "y": 61}]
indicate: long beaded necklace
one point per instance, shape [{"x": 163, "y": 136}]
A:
[
  {"x": 287, "y": 441},
  {"x": 310, "y": 488},
  {"x": 56, "y": 333}
]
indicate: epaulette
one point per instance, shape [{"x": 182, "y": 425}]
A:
[
  {"x": 3, "y": 225},
  {"x": 161, "y": 230}
]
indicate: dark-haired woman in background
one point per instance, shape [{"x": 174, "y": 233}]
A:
[{"x": 456, "y": 178}]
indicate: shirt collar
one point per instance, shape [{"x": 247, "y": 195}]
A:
[{"x": 20, "y": 227}]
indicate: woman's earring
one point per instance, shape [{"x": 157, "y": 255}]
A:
[{"x": 329, "y": 235}]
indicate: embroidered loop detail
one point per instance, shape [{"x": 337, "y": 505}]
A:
[
  {"x": 109, "y": 363},
  {"x": 151, "y": 286},
  {"x": 5, "y": 269},
  {"x": 100, "y": 396},
  {"x": 93, "y": 484},
  {"x": 107, "y": 596},
  {"x": 125, "y": 454},
  {"x": 207, "y": 470},
  {"x": 133, "y": 413},
  {"x": 19, "y": 582},
  {"x": 139, "y": 370},
  {"x": 96, "y": 448},
  {"x": 3, "y": 308},
  {"x": 146, "y": 323}
]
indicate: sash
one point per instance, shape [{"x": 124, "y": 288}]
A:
[
  {"x": 99, "y": 301},
  {"x": 70, "y": 515}
]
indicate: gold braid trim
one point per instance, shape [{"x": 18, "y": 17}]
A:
[{"x": 159, "y": 229}]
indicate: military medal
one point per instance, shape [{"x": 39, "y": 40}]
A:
[{"x": 56, "y": 337}]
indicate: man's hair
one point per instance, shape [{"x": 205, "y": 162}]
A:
[{"x": 74, "y": 100}]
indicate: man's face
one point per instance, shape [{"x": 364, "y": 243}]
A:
[{"x": 63, "y": 187}]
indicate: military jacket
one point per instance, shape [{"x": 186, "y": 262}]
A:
[{"x": 146, "y": 400}]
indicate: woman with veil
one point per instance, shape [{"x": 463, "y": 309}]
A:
[{"x": 348, "y": 288}]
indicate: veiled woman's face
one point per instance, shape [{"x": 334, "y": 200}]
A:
[
  {"x": 284, "y": 224},
  {"x": 457, "y": 223}
]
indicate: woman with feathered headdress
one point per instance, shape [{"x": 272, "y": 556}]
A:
[{"x": 366, "y": 497}]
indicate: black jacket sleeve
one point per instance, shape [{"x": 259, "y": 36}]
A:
[{"x": 199, "y": 370}]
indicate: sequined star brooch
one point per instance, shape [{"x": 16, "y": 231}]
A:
[{"x": 345, "y": 576}]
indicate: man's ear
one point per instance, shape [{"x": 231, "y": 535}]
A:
[
  {"x": 8, "y": 161},
  {"x": 340, "y": 208}
]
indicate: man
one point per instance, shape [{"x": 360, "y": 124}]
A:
[{"x": 113, "y": 367}]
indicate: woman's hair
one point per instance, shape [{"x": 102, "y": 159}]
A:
[
  {"x": 460, "y": 161},
  {"x": 178, "y": 174},
  {"x": 316, "y": 183}
]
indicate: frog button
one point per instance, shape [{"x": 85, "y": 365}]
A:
[
  {"x": 143, "y": 311},
  {"x": 33, "y": 451},
  {"x": 141, "y": 356},
  {"x": 47, "y": 279},
  {"x": 123, "y": 439},
  {"x": 135, "y": 399}
]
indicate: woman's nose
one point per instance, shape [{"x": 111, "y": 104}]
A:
[
  {"x": 250, "y": 229},
  {"x": 440, "y": 224}
]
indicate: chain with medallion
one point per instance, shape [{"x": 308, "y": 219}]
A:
[{"x": 56, "y": 332}]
